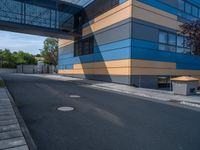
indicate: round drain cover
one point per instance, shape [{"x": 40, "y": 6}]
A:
[
  {"x": 65, "y": 108},
  {"x": 74, "y": 96}
]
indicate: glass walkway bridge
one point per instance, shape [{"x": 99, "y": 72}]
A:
[{"x": 56, "y": 18}]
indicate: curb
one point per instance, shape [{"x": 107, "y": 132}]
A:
[{"x": 30, "y": 143}]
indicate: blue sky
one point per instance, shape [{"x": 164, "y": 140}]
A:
[{"x": 16, "y": 41}]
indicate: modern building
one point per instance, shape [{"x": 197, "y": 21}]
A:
[{"x": 134, "y": 42}]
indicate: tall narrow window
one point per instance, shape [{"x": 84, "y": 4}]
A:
[
  {"x": 199, "y": 13},
  {"x": 180, "y": 41},
  {"x": 172, "y": 39},
  {"x": 181, "y": 5},
  {"x": 172, "y": 42},
  {"x": 194, "y": 11},
  {"x": 188, "y": 8},
  {"x": 163, "y": 37}
]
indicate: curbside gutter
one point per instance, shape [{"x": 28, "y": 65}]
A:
[
  {"x": 27, "y": 136},
  {"x": 31, "y": 144}
]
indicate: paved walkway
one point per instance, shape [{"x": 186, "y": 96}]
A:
[
  {"x": 11, "y": 137},
  {"x": 149, "y": 93}
]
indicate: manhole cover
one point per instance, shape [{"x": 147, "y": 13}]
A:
[
  {"x": 74, "y": 96},
  {"x": 65, "y": 109}
]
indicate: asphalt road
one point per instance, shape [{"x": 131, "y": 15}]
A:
[{"x": 101, "y": 120}]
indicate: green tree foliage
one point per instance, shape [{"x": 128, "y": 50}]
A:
[
  {"x": 50, "y": 51},
  {"x": 11, "y": 60},
  {"x": 38, "y": 55},
  {"x": 24, "y": 58},
  {"x": 192, "y": 31},
  {"x": 7, "y": 59}
]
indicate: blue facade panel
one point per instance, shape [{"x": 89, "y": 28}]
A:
[
  {"x": 146, "y": 50},
  {"x": 160, "y": 5}
]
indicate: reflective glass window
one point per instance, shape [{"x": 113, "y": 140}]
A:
[
  {"x": 199, "y": 13},
  {"x": 122, "y": 1},
  {"x": 163, "y": 47},
  {"x": 181, "y": 5},
  {"x": 187, "y": 51},
  {"x": 180, "y": 41},
  {"x": 171, "y": 48},
  {"x": 188, "y": 8},
  {"x": 171, "y": 39},
  {"x": 180, "y": 50},
  {"x": 163, "y": 37},
  {"x": 194, "y": 11}
]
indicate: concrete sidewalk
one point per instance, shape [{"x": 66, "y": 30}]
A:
[
  {"x": 149, "y": 93},
  {"x": 11, "y": 136}
]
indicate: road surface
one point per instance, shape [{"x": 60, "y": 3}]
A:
[{"x": 101, "y": 120}]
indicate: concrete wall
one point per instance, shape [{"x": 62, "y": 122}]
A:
[
  {"x": 7, "y": 70},
  {"x": 34, "y": 69}
]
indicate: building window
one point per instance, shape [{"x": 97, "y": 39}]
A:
[
  {"x": 171, "y": 39},
  {"x": 199, "y": 13},
  {"x": 180, "y": 50},
  {"x": 181, "y": 5},
  {"x": 187, "y": 51},
  {"x": 180, "y": 41},
  {"x": 122, "y": 1},
  {"x": 194, "y": 11},
  {"x": 163, "y": 37},
  {"x": 163, "y": 47},
  {"x": 167, "y": 41},
  {"x": 172, "y": 43},
  {"x": 163, "y": 41},
  {"x": 84, "y": 46},
  {"x": 188, "y": 8}
]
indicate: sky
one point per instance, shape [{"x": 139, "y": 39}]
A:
[{"x": 25, "y": 42}]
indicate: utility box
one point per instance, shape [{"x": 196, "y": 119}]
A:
[{"x": 185, "y": 85}]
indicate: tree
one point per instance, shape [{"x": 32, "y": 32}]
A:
[
  {"x": 24, "y": 58},
  {"x": 50, "y": 51},
  {"x": 38, "y": 55},
  {"x": 7, "y": 59},
  {"x": 11, "y": 60},
  {"x": 192, "y": 32}
]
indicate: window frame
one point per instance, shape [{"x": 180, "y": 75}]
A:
[
  {"x": 197, "y": 11},
  {"x": 168, "y": 41},
  {"x": 181, "y": 6},
  {"x": 194, "y": 9},
  {"x": 168, "y": 47},
  {"x": 161, "y": 31},
  {"x": 190, "y": 6},
  {"x": 79, "y": 46}
]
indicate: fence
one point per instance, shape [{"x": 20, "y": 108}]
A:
[
  {"x": 7, "y": 70},
  {"x": 36, "y": 69}
]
